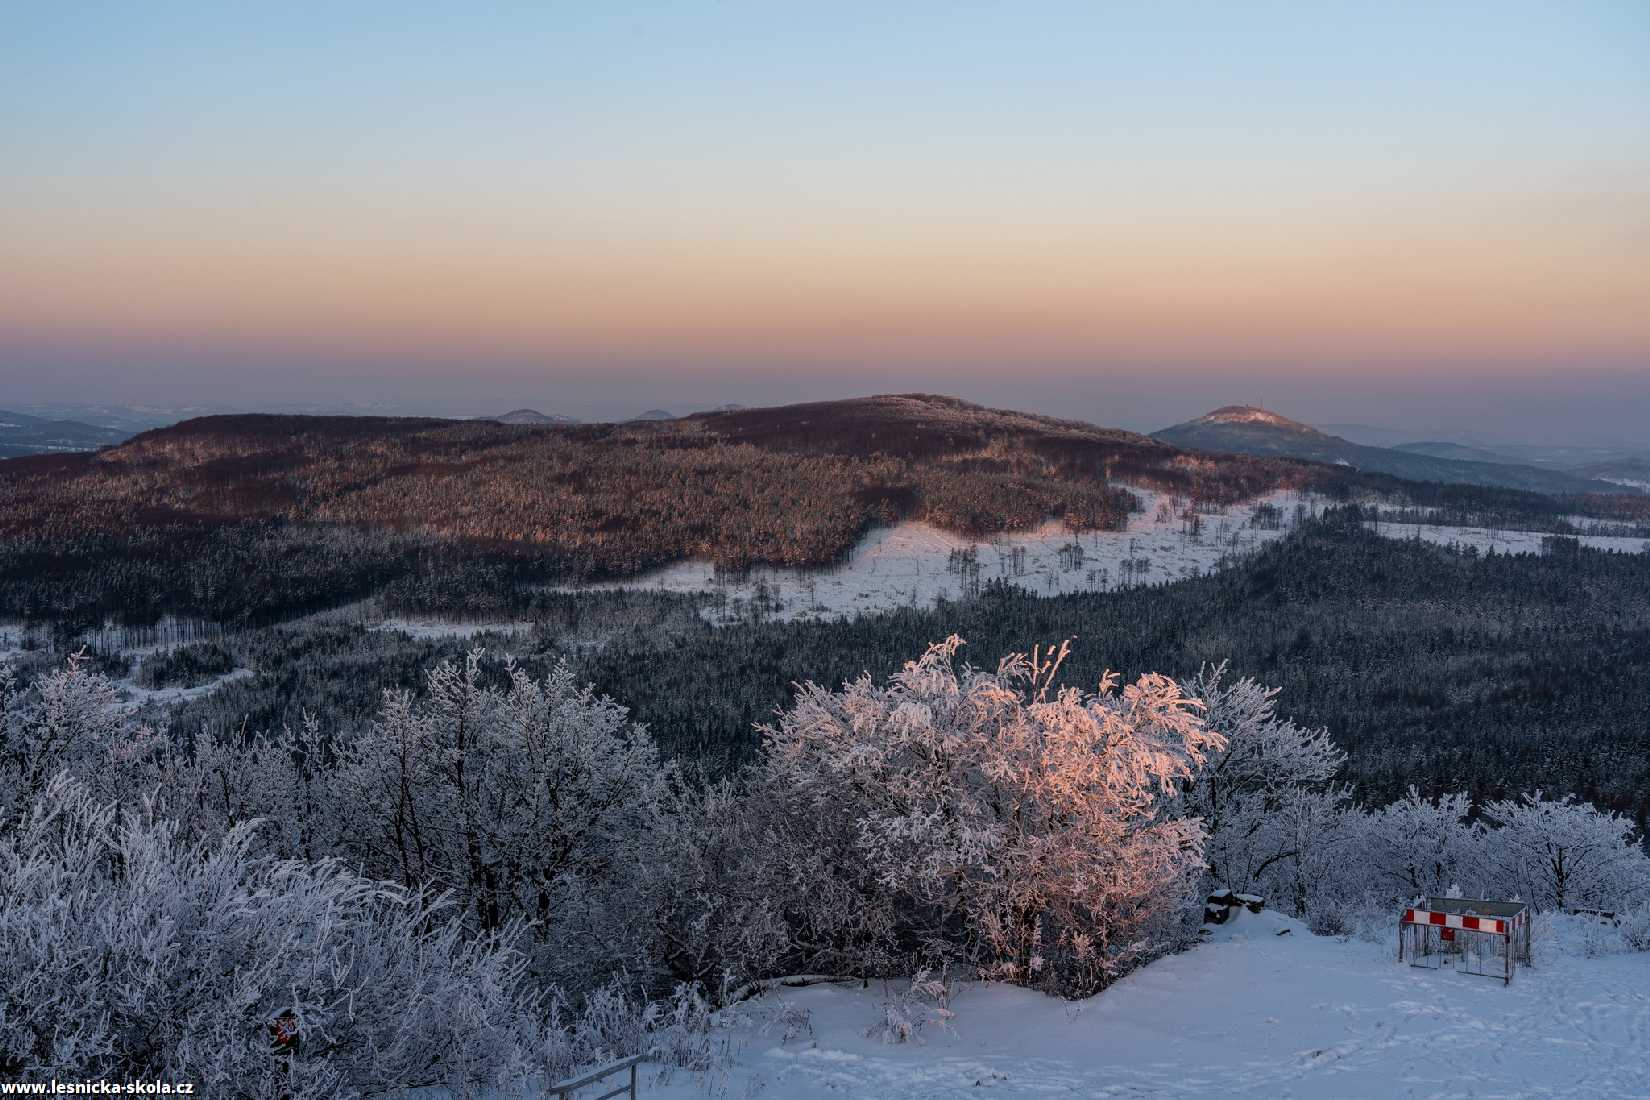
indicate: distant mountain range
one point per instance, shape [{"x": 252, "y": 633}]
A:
[
  {"x": 1458, "y": 452},
  {"x": 1245, "y": 429},
  {"x": 533, "y": 416},
  {"x": 1633, "y": 472},
  {"x": 1235, "y": 429},
  {"x": 1579, "y": 459},
  {"x": 126, "y": 418},
  {"x": 23, "y": 434}
]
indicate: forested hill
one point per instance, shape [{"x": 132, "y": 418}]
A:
[
  {"x": 250, "y": 519},
  {"x": 793, "y": 485}
]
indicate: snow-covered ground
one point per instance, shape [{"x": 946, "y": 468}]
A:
[
  {"x": 1249, "y": 1014},
  {"x": 915, "y": 564},
  {"x": 1502, "y": 541}
]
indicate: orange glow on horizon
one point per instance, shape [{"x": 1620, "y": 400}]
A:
[{"x": 1430, "y": 285}]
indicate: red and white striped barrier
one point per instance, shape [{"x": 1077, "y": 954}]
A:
[
  {"x": 1450, "y": 916},
  {"x": 1497, "y": 925}
]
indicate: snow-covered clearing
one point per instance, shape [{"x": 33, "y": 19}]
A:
[
  {"x": 440, "y": 628},
  {"x": 1501, "y": 540},
  {"x": 370, "y": 614},
  {"x": 915, "y": 564},
  {"x": 138, "y": 696},
  {"x": 1249, "y": 1014}
]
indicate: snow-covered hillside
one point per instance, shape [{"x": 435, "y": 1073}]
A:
[{"x": 1251, "y": 1014}]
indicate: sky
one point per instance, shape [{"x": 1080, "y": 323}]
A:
[{"x": 1385, "y": 213}]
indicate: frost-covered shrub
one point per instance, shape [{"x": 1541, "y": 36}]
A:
[
  {"x": 530, "y": 801},
  {"x": 1325, "y": 871},
  {"x": 909, "y": 1007},
  {"x": 611, "y": 1023},
  {"x": 1635, "y": 926},
  {"x": 789, "y": 1021},
  {"x": 681, "y": 1030},
  {"x": 1326, "y": 915},
  {"x": 72, "y": 721},
  {"x": 1368, "y": 918},
  {"x": 1583, "y": 935},
  {"x": 126, "y": 952},
  {"x": 605, "y": 1026},
  {"x": 720, "y": 893},
  {"x": 1600, "y": 938},
  {"x": 985, "y": 814}
]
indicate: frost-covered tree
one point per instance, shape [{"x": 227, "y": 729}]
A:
[
  {"x": 1246, "y": 791},
  {"x": 70, "y": 720},
  {"x": 286, "y": 778},
  {"x": 1324, "y": 872},
  {"x": 127, "y": 952},
  {"x": 531, "y": 800},
  {"x": 1565, "y": 854},
  {"x": 1033, "y": 827},
  {"x": 1416, "y": 846}
]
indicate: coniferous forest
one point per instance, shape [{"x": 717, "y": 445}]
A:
[{"x": 1431, "y": 667}]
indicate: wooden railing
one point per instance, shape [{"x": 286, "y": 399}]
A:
[{"x": 564, "y": 1090}]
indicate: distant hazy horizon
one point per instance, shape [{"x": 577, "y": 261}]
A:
[
  {"x": 1423, "y": 216},
  {"x": 1143, "y": 416}
]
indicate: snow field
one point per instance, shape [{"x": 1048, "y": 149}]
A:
[
  {"x": 916, "y": 564},
  {"x": 1250, "y": 1013}
]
